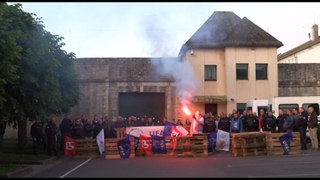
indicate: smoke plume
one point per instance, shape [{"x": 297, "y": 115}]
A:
[{"x": 161, "y": 44}]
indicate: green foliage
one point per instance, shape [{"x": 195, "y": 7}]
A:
[{"x": 37, "y": 78}]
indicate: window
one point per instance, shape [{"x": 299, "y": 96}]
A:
[
  {"x": 242, "y": 71},
  {"x": 285, "y": 107},
  {"x": 210, "y": 72},
  {"x": 241, "y": 107},
  {"x": 314, "y": 105},
  {"x": 261, "y": 71}
]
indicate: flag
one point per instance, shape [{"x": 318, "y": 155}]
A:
[
  {"x": 159, "y": 145},
  {"x": 285, "y": 142},
  {"x": 223, "y": 140},
  {"x": 70, "y": 147},
  {"x": 212, "y": 140},
  {"x": 145, "y": 145},
  {"x": 100, "y": 141},
  {"x": 168, "y": 128},
  {"x": 124, "y": 147}
]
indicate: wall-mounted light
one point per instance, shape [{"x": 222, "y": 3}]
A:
[
  {"x": 191, "y": 52},
  {"x": 231, "y": 99}
]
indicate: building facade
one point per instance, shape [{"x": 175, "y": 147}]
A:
[
  {"x": 235, "y": 61},
  {"x": 308, "y": 52}
]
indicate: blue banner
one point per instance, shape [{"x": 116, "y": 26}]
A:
[
  {"x": 168, "y": 128},
  {"x": 212, "y": 140},
  {"x": 158, "y": 145},
  {"x": 124, "y": 147},
  {"x": 285, "y": 142}
]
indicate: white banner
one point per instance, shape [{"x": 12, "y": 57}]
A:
[
  {"x": 100, "y": 141},
  {"x": 152, "y": 130},
  {"x": 145, "y": 130},
  {"x": 223, "y": 140}
]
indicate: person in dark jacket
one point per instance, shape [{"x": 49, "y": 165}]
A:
[
  {"x": 51, "y": 133},
  {"x": 251, "y": 122},
  {"x": 65, "y": 129},
  {"x": 209, "y": 124},
  {"x": 224, "y": 122},
  {"x": 149, "y": 122},
  {"x": 301, "y": 125},
  {"x": 312, "y": 125},
  {"x": 97, "y": 128},
  {"x": 271, "y": 122},
  {"x": 296, "y": 117},
  {"x": 77, "y": 130},
  {"x": 280, "y": 120},
  {"x": 37, "y": 136},
  {"x": 88, "y": 129},
  {"x": 288, "y": 124}
]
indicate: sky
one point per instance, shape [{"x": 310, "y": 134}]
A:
[{"x": 160, "y": 29}]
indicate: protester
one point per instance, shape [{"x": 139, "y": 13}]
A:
[
  {"x": 236, "y": 124},
  {"x": 312, "y": 125},
  {"x": 65, "y": 129},
  {"x": 262, "y": 121},
  {"x": 197, "y": 124},
  {"x": 84, "y": 119},
  {"x": 51, "y": 133},
  {"x": 97, "y": 127},
  {"x": 209, "y": 124},
  {"x": 179, "y": 122},
  {"x": 149, "y": 122},
  {"x": 301, "y": 126},
  {"x": 251, "y": 122},
  {"x": 280, "y": 120},
  {"x": 271, "y": 122},
  {"x": 37, "y": 136},
  {"x": 224, "y": 122},
  {"x": 88, "y": 129},
  {"x": 77, "y": 130},
  {"x": 288, "y": 124}
]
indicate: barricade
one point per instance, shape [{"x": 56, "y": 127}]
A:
[
  {"x": 274, "y": 146},
  {"x": 248, "y": 144}
]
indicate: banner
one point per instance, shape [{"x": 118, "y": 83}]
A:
[
  {"x": 154, "y": 130},
  {"x": 100, "y": 141},
  {"x": 145, "y": 145},
  {"x": 285, "y": 142},
  {"x": 159, "y": 145},
  {"x": 70, "y": 147},
  {"x": 124, "y": 147},
  {"x": 223, "y": 140},
  {"x": 212, "y": 140}
]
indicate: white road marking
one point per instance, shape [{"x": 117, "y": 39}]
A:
[{"x": 75, "y": 168}]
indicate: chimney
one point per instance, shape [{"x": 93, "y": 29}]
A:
[{"x": 314, "y": 32}]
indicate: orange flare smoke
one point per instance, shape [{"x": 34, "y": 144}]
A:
[{"x": 186, "y": 110}]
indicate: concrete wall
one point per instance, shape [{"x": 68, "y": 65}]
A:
[
  {"x": 299, "y": 79},
  {"x": 101, "y": 80}
]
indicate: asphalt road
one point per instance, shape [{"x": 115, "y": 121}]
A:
[{"x": 221, "y": 164}]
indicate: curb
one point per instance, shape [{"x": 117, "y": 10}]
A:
[
  {"x": 19, "y": 172},
  {"x": 46, "y": 161}
]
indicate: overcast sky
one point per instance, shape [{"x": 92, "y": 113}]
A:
[{"x": 160, "y": 29}]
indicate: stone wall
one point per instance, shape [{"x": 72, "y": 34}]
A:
[
  {"x": 101, "y": 80},
  {"x": 299, "y": 79}
]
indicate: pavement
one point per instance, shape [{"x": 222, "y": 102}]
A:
[{"x": 219, "y": 164}]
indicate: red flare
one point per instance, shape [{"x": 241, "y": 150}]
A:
[{"x": 186, "y": 110}]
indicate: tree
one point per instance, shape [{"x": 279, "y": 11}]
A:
[{"x": 41, "y": 80}]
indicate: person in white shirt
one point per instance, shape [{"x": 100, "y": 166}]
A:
[{"x": 197, "y": 124}]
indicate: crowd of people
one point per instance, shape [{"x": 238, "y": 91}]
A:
[
  {"x": 52, "y": 135},
  {"x": 293, "y": 120}
]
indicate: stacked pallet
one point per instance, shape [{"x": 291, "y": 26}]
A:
[
  {"x": 248, "y": 144},
  {"x": 192, "y": 146},
  {"x": 87, "y": 148},
  {"x": 121, "y": 132},
  {"x": 274, "y": 146},
  {"x": 111, "y": 148}
]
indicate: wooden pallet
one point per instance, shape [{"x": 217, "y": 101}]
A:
[
  {"x": 274, "y": 147},
  {"x": 192, "y": 146},
  {"x": 250, "y": 152},
  {"x": 248, "y": 144},
  {"x": 112, "y": 151},
  {"x": 87, "y": 148},
  {"x": 121, "y": 132}
]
